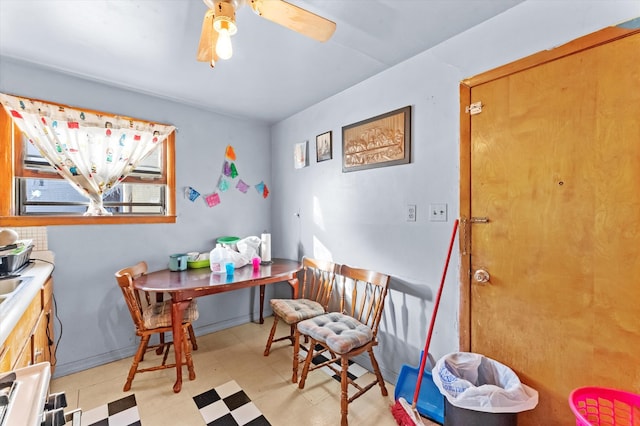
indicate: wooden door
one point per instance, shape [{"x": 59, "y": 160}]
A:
[{"x": 554, "y": 165}]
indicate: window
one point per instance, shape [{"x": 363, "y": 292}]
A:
[{"x": 33, "y": 193}]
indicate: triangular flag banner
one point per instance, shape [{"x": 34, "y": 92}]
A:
[
  {"x": 192, "y": 194},
  {"x": 213, "y": 199},
  {"x": 242, "y": 187},
  {"x": 223, "y": 185},
  {"x": 230, "y": 153},
  {"x": 229, "y": 172}
]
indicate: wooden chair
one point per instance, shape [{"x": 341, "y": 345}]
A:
[
  {"x": 150, "y": 318},
  {"x": 317, "y": 282},
  {"x": 349, "y": 332}
]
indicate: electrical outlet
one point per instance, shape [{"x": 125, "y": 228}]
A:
[
  {"x": 411, "y": 212},
  {"x": 438, "y": 212}
]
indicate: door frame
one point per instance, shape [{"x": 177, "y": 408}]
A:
[{"x": 606, "y": 35}]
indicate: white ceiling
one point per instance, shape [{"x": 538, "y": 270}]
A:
[{"x": 150, "y": 46}]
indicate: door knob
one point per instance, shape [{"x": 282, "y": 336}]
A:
[{"x": 481, "y": 276}]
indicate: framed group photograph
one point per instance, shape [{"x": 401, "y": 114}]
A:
[
  {"x": 323, "y": 147},
  {"x": 384, "y": 140}
]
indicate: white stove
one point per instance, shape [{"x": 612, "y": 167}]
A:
[{"x": 24, "y": 399}]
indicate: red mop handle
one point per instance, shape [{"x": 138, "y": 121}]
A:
[{"x": 423, "y": 361}]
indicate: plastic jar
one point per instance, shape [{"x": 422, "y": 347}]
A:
[{"x": 217, "y": 259}]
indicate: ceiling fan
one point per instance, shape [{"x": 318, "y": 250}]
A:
[{"x": 220, "y": 24}]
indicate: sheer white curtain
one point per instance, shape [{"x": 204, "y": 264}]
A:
[{"x": 93, "y": 152}]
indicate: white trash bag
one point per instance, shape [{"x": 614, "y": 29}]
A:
[
  {"x": 475, "y": 382},
  {"x": 247, "y": 250}
]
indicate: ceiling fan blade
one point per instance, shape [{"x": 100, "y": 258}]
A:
[
  {"x": 208, "y": 38},
  {"x": 295, "y": 18}
]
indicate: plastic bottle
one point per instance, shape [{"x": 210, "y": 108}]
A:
[{"x": 217, "y": 259}]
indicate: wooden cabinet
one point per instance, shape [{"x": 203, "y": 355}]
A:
[{"x": 32, "y": 340}]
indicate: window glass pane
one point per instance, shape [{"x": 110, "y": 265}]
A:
[
  {"x": 33, "y": 159},
  {"x": 55, "y": 196},
  {"x": 41, "y": 194},
  {"x": 151, "y": 163},
  {"x": 52, "y": 190}
]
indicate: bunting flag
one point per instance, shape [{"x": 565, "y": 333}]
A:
[
  {"x": 230, "y": 153},
  {"x": 223, "y": 185},
  {"x": 242, "y": 187},
  {"x": 225, "y": 181},
  {"x": 262, "y": 189},
  {"x": 234, "y": 171},
  {"x": 192, "y": 194},
  {"x": 213, "y": 199}
]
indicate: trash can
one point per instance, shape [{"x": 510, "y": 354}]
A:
[{"x": 480, "y": 391}]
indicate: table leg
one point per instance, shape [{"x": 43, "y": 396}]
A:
[
  {"x": 295, "y": 284},
  {"x": 177, "y": 313},
  {"x": 159, "y": 299},
  {"x": 262, "y": 303}
]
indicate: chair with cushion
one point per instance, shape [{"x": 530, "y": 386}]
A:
[
  {"x": 317, "y": 282},
  {"x": 351, "y": 331},
  {"x": 150, "y": 318}
]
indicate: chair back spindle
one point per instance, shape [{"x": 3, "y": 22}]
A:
[
  {"x": 318, "y": 279},
  {"x": 363, "y": 294}
]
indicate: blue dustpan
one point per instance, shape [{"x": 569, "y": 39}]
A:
[{"x": 430, "y": 401}]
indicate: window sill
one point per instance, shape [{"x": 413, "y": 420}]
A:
[{"x": 82, "y": 220}]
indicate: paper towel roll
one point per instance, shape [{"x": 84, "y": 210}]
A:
[{"x": 265, "y": 248}]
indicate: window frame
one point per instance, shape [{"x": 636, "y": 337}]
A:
[{"x": 11, "y": 167}]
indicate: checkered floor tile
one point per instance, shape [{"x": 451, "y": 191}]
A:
[
  {"x": 123, "y": 412},
  {"x": 228, "y": 405},
  {"x": 353, "y": 372}
]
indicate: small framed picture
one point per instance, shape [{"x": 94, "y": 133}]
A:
[
  {"x": 300, "y": 155},
  {"x": 324, "y": 146}
]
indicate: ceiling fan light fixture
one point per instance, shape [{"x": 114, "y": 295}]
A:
[
  {"x": 224, "y": 24},
  {"x": 223, "y": 45},
  {"x": 225, "y": 17},
  {"x": 219, "y": 24}
]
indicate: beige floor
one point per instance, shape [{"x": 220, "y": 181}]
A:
[{"x": 232, "y": 354}]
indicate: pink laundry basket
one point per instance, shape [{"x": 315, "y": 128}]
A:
[{"x": 596, "y": 406}]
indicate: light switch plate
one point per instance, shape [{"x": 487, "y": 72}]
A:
[{"x": 438, "y": 212}]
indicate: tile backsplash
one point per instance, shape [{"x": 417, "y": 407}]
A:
[{"x": 36, "y": 233}]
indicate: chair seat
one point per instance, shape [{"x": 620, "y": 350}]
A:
[
  {"x": 340, "y": 332},
  {"x": 159, "y": 314},
  {"x": 296, "y": 310}
]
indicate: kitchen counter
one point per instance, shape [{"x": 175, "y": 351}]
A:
[{"x": 12, "y": 309}]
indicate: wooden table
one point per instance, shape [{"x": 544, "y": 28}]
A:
[{"x": 185, "y": 285}]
